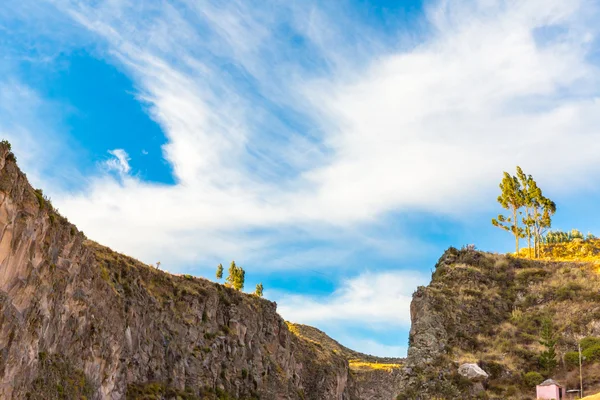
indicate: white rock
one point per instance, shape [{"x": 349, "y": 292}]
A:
[{"x": 472, "y": 372}]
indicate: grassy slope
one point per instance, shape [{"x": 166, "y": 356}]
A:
[
  {"x": 357, "y": 361},
  {"x": 494, "y": 306}
]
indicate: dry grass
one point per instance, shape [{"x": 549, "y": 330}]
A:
[
  {"x": 359, "y": 365},
  {"x": 577, "y": 250},
  {"x": 327, "y": 346}
]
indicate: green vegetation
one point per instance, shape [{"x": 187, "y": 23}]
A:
[
  {"x": 532, "y": 378},
  {"x": 522, "y": 192},
  {"x": 259, "y": 290},
  {"x": 548, "y": 339},
  {"x": 40, "y": 197},
  {"x": 57, "y": 379},
  {"x": 590, "y": 349},
  {"x": 529, "y": 321},
  {"x": 236, "y": 277},
  {"x": 10, "y": 156},
  {"x": 156, "y": 390},
  {"x": 512, "y": 199},
  {"x": 219, "y": 271},
  {"x": 565, "y": 237}
]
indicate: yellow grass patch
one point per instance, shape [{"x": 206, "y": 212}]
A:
[{"x": 363, "y": 365}]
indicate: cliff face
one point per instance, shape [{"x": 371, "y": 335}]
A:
[
  {"x": 492, "y": 310},
  {"x": 80, "y": 321}
]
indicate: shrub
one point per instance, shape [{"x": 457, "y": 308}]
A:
[
  {"x": 40, "y": 197},
  {"x": 588, "y": 342},
  {"x": 533, "y": 378},
  {"x": 532, "y": 275},
  {"x": 592, "y": 354},
  {"x": 572, "y": 358},
  {"x": 568, "y": 292},
  {"x": 516, "y": 315}
]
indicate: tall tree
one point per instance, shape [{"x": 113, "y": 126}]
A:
[
  {"x": 543, "y": 221},
  {"x": 547, "y": 358},
  {"x": 259, "y": 290},
  {"x": 241, "y": 277},
  {"x": 528, "y": 202},
  {"x": 511, "y": 198},
  {"x": 236, "y": 276},
  {"x": 219, "y": 271},
  {"x": 542, "y": 209}
]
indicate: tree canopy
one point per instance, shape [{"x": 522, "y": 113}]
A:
[
  {"x": 259, "y": 290},
  {"x": 524, "y": 200},
  {"x": 236, "y": 276}
]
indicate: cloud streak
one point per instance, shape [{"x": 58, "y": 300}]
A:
[
  {"x": 424, "y": 129},
  {"x": 293, "y": 121}
]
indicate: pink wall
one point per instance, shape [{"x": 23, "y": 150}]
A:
[{"x": 548, "y": 392}]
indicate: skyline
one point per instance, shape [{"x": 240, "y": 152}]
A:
[{"x": 333, "y": 151}]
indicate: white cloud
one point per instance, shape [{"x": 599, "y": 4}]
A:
[
  {"x": 371, "y": 300},
  {"x": 120, "y": 162},
  {"x": 432, "y": 128},
  {"x": 422, "y": 128},
  {"x": 374, "y": 348},
  {"x": 426, "y": 127}
]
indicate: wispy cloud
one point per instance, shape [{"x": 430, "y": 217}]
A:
[
  {"x": 294, "y": 119},
  {"x": 371, "y": 299},
  {"x": 427, "y": 128},
  {"x": 119, "y": 162}
]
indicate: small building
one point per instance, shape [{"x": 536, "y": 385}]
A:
[{"x": 549, "y": 390}]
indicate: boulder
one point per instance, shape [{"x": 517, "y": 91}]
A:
[{"x": 472, "y": 372}]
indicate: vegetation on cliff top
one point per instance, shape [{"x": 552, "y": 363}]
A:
[{"x": 522, "y": 196}]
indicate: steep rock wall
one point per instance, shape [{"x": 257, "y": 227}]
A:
[{"x": 77, "y": 319}]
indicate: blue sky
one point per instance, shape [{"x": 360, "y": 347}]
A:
[{"x": 333, "y": 150}]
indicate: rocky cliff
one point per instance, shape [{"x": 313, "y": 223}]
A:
[
  {"x": 492, "y": 310},
  {"x": 78, "y": 320}
]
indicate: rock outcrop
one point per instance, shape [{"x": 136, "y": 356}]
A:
[
  {"x": 78, "y": 320},
  {"x": 472, "y": 372},
  {"x": 484, "y": 314}
]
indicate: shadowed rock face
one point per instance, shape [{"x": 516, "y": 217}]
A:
[{"x": 77, "y": 319}]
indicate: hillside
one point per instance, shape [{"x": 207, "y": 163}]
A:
[
  {"x": 490, "y": 309},
  {"x": 78, "y": 320}
]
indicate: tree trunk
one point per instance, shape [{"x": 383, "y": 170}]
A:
[{"x": 516, "y": 230}]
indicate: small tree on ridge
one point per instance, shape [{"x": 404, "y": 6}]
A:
[
  {"x": 512, "y": 199},
  {"x": 259, "y": 290},
  {"x": 236, "y": 276}
]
